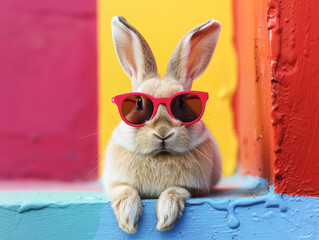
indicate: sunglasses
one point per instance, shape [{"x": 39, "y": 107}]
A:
[{"x": 138, "y": 108}]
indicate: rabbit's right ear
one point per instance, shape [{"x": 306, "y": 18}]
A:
[{"x": 133, "y": 52}]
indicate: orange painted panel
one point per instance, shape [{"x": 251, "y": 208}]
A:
[{"x": 252, "y": 101}]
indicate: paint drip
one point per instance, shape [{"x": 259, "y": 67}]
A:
[
  {"x": 39, "y": 206},
  {"x": 271, "y": 199}
]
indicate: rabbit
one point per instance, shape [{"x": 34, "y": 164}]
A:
[{"x": 134, "y": 168}]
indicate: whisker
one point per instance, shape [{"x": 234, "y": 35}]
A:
[
  {"x": 209, "y": 160},
  {"x": 96, "y": 160},
  {"x": 237, "y": 130},
  {"x": 100, "y": 162},
  {"x": 197, "y": 182},
  {"x": 200, "y": 168},
  {"x": 211, "y": 118},
  {"x": 89, "y": 135}
]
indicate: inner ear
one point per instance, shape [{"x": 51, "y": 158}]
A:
[
  {"x": 133, "y": 52},
  {"x": 129, "y": 63},
  {"x": 193, "y": 53},
  {"x": 201, "y": 50}
]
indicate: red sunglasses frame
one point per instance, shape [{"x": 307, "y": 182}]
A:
[{"x": 118, "y": 100}]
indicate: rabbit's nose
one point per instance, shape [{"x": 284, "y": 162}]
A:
[{"x": 163, "y": 133}]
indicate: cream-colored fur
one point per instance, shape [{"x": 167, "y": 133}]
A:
[{"x": 136, "y": 166}]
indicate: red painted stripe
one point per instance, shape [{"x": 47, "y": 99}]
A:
[
  {"x": 296, "y": 102},
  {"x": 48, "y": 89}
]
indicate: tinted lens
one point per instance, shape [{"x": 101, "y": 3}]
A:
[
  {"x": 137, "y": 109},
  {"x": 186, "y": 107}
]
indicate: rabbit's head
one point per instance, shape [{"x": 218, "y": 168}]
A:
[{"x": 163, "y": 134}]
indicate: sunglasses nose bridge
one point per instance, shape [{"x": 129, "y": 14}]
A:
[{"x": 161, "y": 102}]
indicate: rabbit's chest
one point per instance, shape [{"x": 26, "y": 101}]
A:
[{"x": 151, "y": 176}]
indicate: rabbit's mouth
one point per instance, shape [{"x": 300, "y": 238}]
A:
[{"x": 162, "y": 151}]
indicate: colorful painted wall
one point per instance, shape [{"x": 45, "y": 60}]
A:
[
  {"x": 56, "y": 116},
  {"x": 56, "y": 84}
]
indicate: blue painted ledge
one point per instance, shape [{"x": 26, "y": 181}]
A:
[{"x": 88, "y": 215}]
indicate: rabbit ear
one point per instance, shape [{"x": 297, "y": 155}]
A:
[
  {"x": 133, "y": 52},
  {"x": 193, "y": 53}
]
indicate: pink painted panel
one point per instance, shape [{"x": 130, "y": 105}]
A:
[{"x": 48, "y": 89}]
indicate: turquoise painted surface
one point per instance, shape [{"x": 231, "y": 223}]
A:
[
  {"x": 50, "y": 215},
  {"x": 19, "y": 197},
  {"x": 88, "y": 215}
]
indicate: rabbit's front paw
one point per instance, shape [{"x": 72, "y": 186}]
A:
[
  {"x": 128, "y": 210},
  {"x": 169, "y": 207}
]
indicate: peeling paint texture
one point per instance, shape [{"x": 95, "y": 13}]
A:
[
  {"x": 294, "y": 53},
  {"x": 277, "y": 101}
]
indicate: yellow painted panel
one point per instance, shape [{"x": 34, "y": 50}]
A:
[{"x": 163, "y": 23}]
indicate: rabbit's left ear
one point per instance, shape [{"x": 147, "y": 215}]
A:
[
  {"x": 193, "y": 53},
  {"x": 133, "y": 52}
]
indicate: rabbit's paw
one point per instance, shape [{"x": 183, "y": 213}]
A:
[
  {"x": 169, "y": 207},
  {"x": 128, "y": 210}
]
